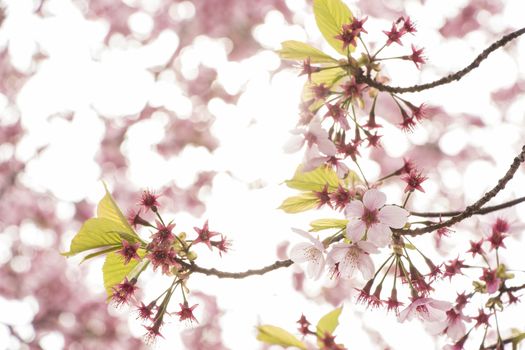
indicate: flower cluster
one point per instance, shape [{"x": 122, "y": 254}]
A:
[{"x": 170, "y": 252}]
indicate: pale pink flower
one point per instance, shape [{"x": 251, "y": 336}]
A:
[
  {"x": 373, "y": 217},
  {"x": 351, "y": 257},
  {"x": 453, "y": 326},
  {"x": 311, "y": 252},
  {"x": 427, "y": 309},
  {"x": 313, "y": 135}
]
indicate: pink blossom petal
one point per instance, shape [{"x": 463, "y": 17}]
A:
[
  {"x": 374, "y": 199},
  {"x": 406, "y": 314},
  {"x": 379, "y": 234},
  {"x": 366, "y": 266},
  {"x": 315, "y": 266},
  {"x": 354, "y": 209},
  {"x": 393, "y": 216},
  {"x": 456, "y": 329},
  {"x": 440, "y": 304},
  {"x": 309, "y": 237},
  {"x": 300, "y": 252},
  {"x": 327, "y": 147},
  {"x": 294, "y": 144},
  {"x": 368, "y": 247},
  {"x": 355, "y": 230}
]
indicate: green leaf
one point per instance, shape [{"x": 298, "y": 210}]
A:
[
  {"x": 277, "y": 336},
  {"x": 298, "y": 51},
  {"x": 300, "y": 203},
  {"x": 330, "y": 15},
  {"x": 107, "y": 230},
  {"x": 114, "y": 269},
  {"x": 107, "y": 208},
  {"x": 329, "y": 322},
  {"x": 326, "y": 224},
  {"x": 314, "y": 180},
  {"x": 95, "y": 233},
  {"x": 101, "y": 252}
]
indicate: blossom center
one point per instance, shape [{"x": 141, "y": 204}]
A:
[{"x": 370, "y": 217}]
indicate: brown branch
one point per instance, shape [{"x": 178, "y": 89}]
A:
[
  {"x": 472, "y": 209},
  {"x": 482, "y": 211},
  {"x": 238, "y": 275},
  {"x": 361, "y": 78}
]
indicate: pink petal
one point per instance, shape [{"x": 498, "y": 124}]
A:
[
  {"x": 379, "y": 234},
  {"x": 300, "y": 252},
  {"x": 406, "y": 314},
  {"x": 327, "y": 147},
  {"x": 366, "y": 266},
  {"x": 354, "y": 209},
  {"x": 374, "y": 199},
  {"x": 367, "y": 247},
  {"x": 309, "y": 237},
  {"x": 294, "y": 144},
  {"x": 315, "y": 266},
  {"x": 393, "y": 216},
  {"x": 355, "y": 230}
]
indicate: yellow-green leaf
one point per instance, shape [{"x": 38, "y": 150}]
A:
[
  {"x": 299, "y": 51},
  {"x": 107, "y": 208},
  {"x": 300, "y": 203},
  {"x": 277, "y": 336},
  {"x": 329, "y": 322},
  {"x": 96, "y": 233},
  {"x": 326, "y": 224},
  {"x": 314, "y": 180},
  {"x": 330, "y": 15},
  {"x": 106, "y": 231},
  {"x": 114, "y": 269}
]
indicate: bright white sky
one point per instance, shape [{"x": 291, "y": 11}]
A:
[{"x": 251, "y": 136}]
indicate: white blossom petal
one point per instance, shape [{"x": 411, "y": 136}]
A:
[
  {"x": 355, "y": 230},
  {"x": 315, "y": 266},
  {"x": 301, "y": 252},
  {"x": 379, "y": 234},
  {"x": 327, "y": 147},
  {"x": 354, "y": 209},
  {"x": 294, "y": 144},
  {"x": 374, "y": 199},
  {"x": 393, "y": 216},
  {"x": 366, "y": 266}
]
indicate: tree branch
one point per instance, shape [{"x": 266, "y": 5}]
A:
[
  {"x": 482, "y": 211},
  {"x": 472, "y": 209},
  {"x": 361, "y": 78},
  {"x": 238, "y": 275}
]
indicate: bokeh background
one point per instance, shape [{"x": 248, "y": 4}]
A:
[{"x": 190, "y": 99}]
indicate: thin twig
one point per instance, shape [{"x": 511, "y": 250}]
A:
[
  {"x": 238, "y": 275},
  {"x": 361, "y": 78},
  {"x": 472, "y": 209},
  {"x": 482, "y": 211}
]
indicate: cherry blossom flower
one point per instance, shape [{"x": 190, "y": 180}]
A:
[
  {"x": 453, "y": 326},
  {"x": 338, "y": 114},
  {"x": 311, "y": 252},
  {"x": 476, "y": 248},
  {"x": 491, "y": 280},
  {"x": 145, "y": 311},
  {"x": 414, "y": 181},
  {"x": 123, "y": 292},
  {"x": 313, "y": 135},
  {"x": 374, "y": 218},
  {"x": 427, "y": 309},
  {"x": 351, "y": 257},
  {"x": 163, "y": 236},
  {"x": 204, "y": 235},
  {"x": 394, "y": 35},
  {"x": 149, "y": 200},
  {"x": 303, "y": 325},
  {"x": 135, "y": 219},
  {"x": 308, "y": 69},
  {"x": 186, "y": 312},
  {"x": 129, "y": 251},
  {"x": 417, "y": 56}
]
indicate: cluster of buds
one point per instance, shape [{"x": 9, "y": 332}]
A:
[
  {"x": 170, "y": 252},
  {"x": 338, "y": 103}
]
